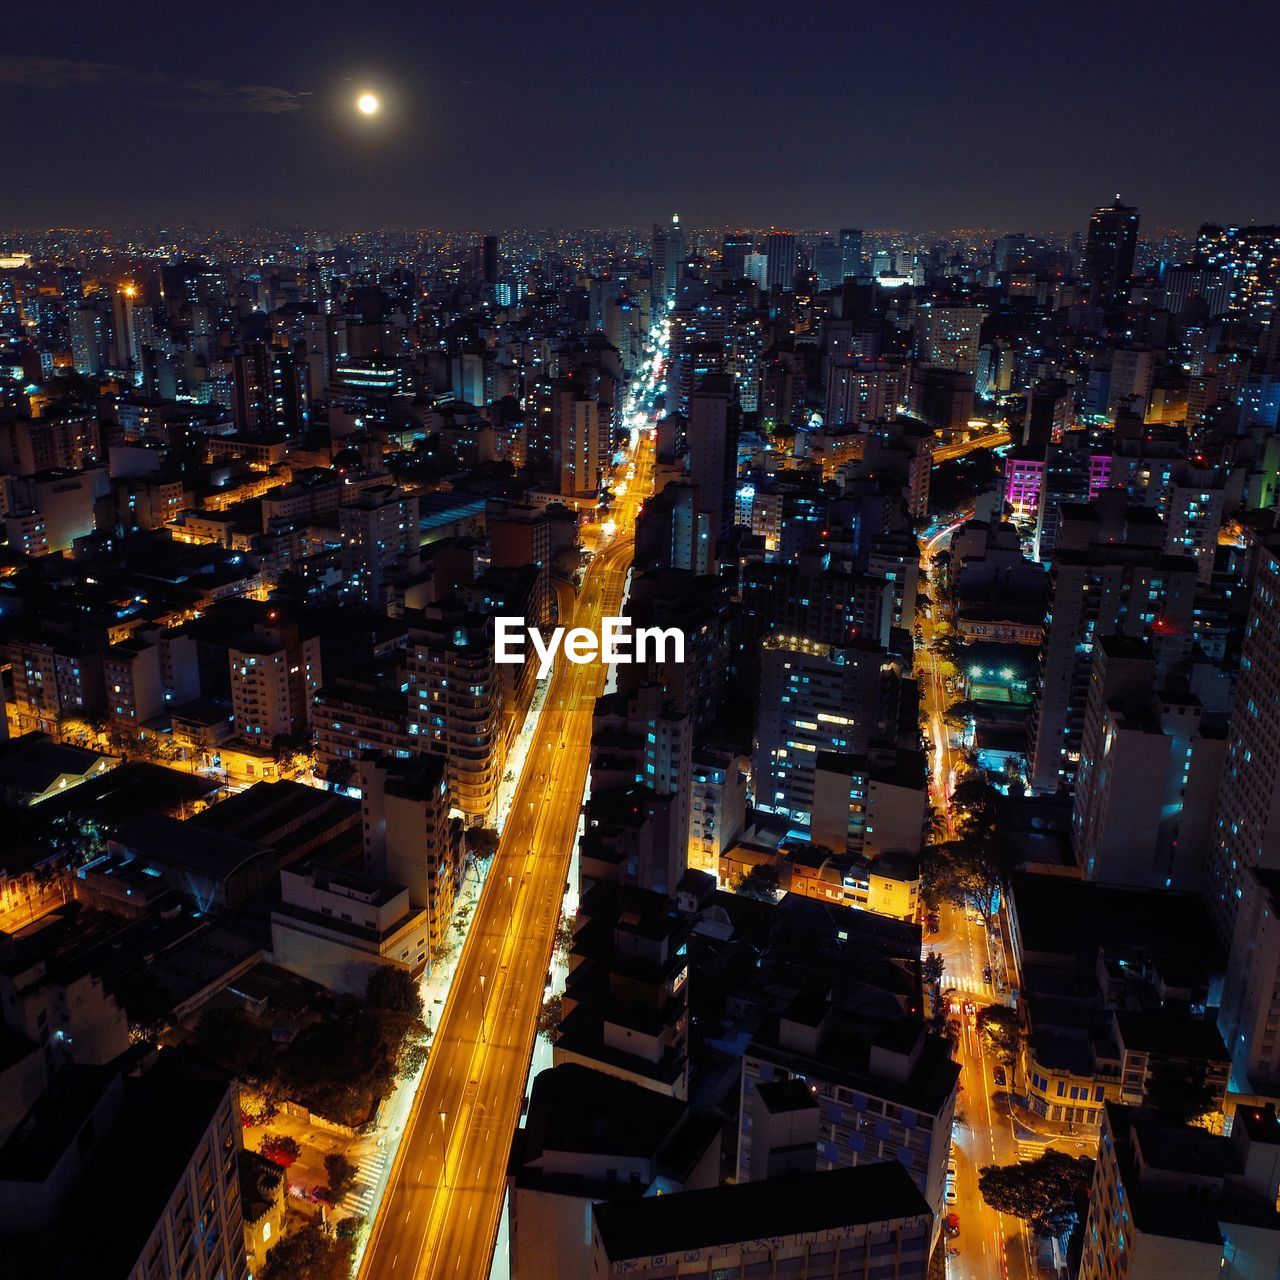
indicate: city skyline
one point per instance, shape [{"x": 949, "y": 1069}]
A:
[{"x": 740, "y": 735}]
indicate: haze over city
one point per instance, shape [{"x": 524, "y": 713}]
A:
[{"x": 735, "y": 114}]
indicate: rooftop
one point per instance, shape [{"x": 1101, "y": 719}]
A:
[{"x": 753, "y": 1210}]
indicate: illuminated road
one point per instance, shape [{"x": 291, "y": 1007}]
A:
[
  {"x": 949, "y": 452},
  {"x": 990, "y": 1246},
  {"x": 929, "y": 674},
  {"x": 440, "y": 1212}
]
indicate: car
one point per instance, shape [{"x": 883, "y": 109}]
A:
[
  {"x": 999, "y": 1075},
  {"x": 986, "y": 975},
  {"x": 951, "y": 1225},
  {"x": 934, "y": 921},
  {"x": 951, "y": 1168},
  {"x": 950, "y": 1194},
  {"x": 970, "y": 1009}
]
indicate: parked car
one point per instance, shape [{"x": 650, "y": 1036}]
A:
[
  {"x": 999, "y": 1075},
  {"x": 952, "y": 1225},
  {"x": 950, "y": 1194}
]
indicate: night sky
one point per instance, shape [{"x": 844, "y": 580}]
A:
[{"x": 928, "y": 115}]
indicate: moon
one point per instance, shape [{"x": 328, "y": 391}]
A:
[{"x": 367, "y": 104}]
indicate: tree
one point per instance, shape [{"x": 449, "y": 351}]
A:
[
  {"x": 760, "y": 882},
  {"x": 482, "y": 842},
  {"x": 340, "y": 773},
  {"x": 564, "y": 938},
  {"x": 308, "y": 1254},
  {"x": 1050, "y": 1193},
  {"x": 958, "y": 714},
  {"x": 974, "y": 799},
  {"x": 280, "y": 1149},
  {"x": 998, "y": 1025},
  {"x": 961, "y": 871},
  {"x": 411, "y": 1051},
  {"x": 461, "y": 919},
  {"x": 349, "y": 1228},
  {"x": 549, "y": 1017},
  {"x": 395, "y": 990},
  {"x": 340, "y": 1174},
  {"x": 931, "y": 970}
]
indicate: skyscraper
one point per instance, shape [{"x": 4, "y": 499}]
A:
[
  {"x": 87, "y": 344},
  {"x": 1108, "y": 253},
  {"x": 271, "y": 393},
  {"x": 780, "y": 248},
  {"x": 713, "y": 451},
  {"x": 490, "y": 259},
  {"x": 851, "y": 252},
  {"x": 828, "y": 263},
  {"x": 1247, "y": 830},
  {"x": 668, "y": 255}
]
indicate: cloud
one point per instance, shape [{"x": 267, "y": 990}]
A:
[{"x": 179, "y": 92}]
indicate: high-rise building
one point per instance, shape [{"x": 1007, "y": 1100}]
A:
[
  {"x": 1171, "y": 1198},
  {"x": 1251, "y": 257},
  {"x": 1101, "y": 590},
  {"x": 780, "y": 249},
  {"x": 490, "y": 259},
  {"x": 755, "y": 266},
  {"x": 813, "y": 697},
  {"x": 409, "y": 838},
  {"x": 455, "y": 702},
  {"x": 851, "y": 252},
  {"x": 577, "y": 455},
  {"x": 713, "y": 450},
  {"x": 734, "y": 253},
  {"x": 1250, "y": 1015},
  {"x": 948, "y": 336},
  {"x": 1109, "y": 252},
  {"x": 668, "y": 259},
  {"x": 379, "y": 533},
  {"x": 88, "y": 340},
  {"x": 275, "y": 672},
  {"x": 1248, "y": 823},
  {"x": 129, "y": 327},
  {"x": 520, "y": 535},
  {"x": 828, "y": 263},
  {"x": 1148, "y": 777},
  {"x": 639, "y": 740},
  {"x": 718, "y": 806},
  {"x": 271, "y": 392}
]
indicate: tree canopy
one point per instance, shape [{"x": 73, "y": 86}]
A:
[
  {"x": 1049, "y": 1193},
  {"x": 760, "y": 882},
  {"x": 306, "y": 1253},
  {"x": 394, "y": 989},
  {"x": 999, "y": 1028}
]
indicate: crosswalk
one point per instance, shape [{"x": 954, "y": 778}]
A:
[
  {"x": 360, "y": 1198},
  {"x": 966, "y": 984}
]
